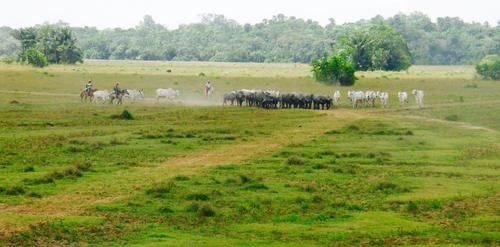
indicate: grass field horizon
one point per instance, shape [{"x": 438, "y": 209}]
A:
[{"x": 194, "y": 172}]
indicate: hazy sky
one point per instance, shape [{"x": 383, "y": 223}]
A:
[{"x": 128, "y": 13}]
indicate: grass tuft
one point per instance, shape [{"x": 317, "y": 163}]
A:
[{"x": 295, "y": 161}]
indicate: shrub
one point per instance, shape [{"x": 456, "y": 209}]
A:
[
  {"x": 244, "y": 179},
  {"x": 334, "y": 69},
  {"x": 34, "y": 57},
  {"x": 201, "y": 74},
  {"x": 489, "y": 67},
  {"x": 125, "y": 115},
  {"x": 452, "y": 117},
  {"x": 29, "y": 169}
]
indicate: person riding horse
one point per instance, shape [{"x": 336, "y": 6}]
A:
[
  {"x": 116, "y": 88},
  {"x": 88, "y": 87},
  {"x": 88, "y": 92},
  {"x": 117, "y": 93}
]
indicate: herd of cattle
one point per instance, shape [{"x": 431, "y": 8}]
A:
[
  {"x": 275, "y": 99},
  {"x": 271, "y": 99}
]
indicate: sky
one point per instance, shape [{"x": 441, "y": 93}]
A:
[{"x": 128, "y": 13}]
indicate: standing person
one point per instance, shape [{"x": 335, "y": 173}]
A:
[{"x": 208, "y": 88}]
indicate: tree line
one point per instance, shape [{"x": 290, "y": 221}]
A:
[{"x": 448, "y": 40}]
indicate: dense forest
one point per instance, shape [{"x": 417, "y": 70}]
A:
[{"x": 449, "y": 40}]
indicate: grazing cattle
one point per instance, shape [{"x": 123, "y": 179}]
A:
[
  {"x": 229, "y": 97},
  {"x": 168, "y": 93},
  {"x": 403, "y": 98},
  {"x": 356, "y": 97},
  {"x": 135, "y": 94},
  {"x": 419, "y": 97},
  {"x": 370, "y": 97},
  {"x": 322, "y": 102},
  {"x": 384, "y": 98},
  {"x": 336, "y": 97},
  {"x": 101, "y": 95}
]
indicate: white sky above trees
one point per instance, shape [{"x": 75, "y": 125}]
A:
[{"x": 128, "y": 13}]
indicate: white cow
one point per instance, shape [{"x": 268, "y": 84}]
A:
[
  {"x": 384, "y": 98},
  {"x": 101, "y": 95},
  {"x": 168, "y": 93},
  {"x": 135, "y": 94},
  {"x": 419, "y": 97},
  {"x": 370, "y": 97},
  {"x": 403, "y": 98},
  {"x": 356, "y": 97},
  {"x": 336, "y": 97}
]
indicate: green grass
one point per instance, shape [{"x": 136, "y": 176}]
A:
[{"x": 175, "y": 174}]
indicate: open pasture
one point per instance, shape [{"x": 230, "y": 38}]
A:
[{"x": 195, "y": 173}]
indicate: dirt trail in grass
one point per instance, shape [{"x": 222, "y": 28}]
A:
[
  {"x": 85, "y": 193},
  {"x": 458, "y": 124}
]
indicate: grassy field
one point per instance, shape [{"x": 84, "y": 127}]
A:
[{"x": 194, "y": 173}]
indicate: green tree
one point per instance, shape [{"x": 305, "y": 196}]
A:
[
  {"x": 377, "y": 47},
  {"x": 334, "y": 69},
  {"x": 56, "y": 43}
]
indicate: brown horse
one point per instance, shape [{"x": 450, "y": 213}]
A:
[{"x": 87, "y": 94}]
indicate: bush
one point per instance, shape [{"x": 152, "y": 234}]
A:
[
  {"x": 334, "y": 69},
  {"x": 125, "y": 115},
  {"x": 452, "y": 117},
  {"x": 34, "y": 57},
  {"x": 489, "y": 67},
  {"x": 29, "y": 169}
]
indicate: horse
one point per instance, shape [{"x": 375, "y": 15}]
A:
[
  {"x": 118, "y": 96},
  {"x": 87, "y": 94}
]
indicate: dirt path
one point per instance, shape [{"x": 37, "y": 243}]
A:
[
  {"x": 76, "y": 198},
  {"x": 463, "y": 125}
]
